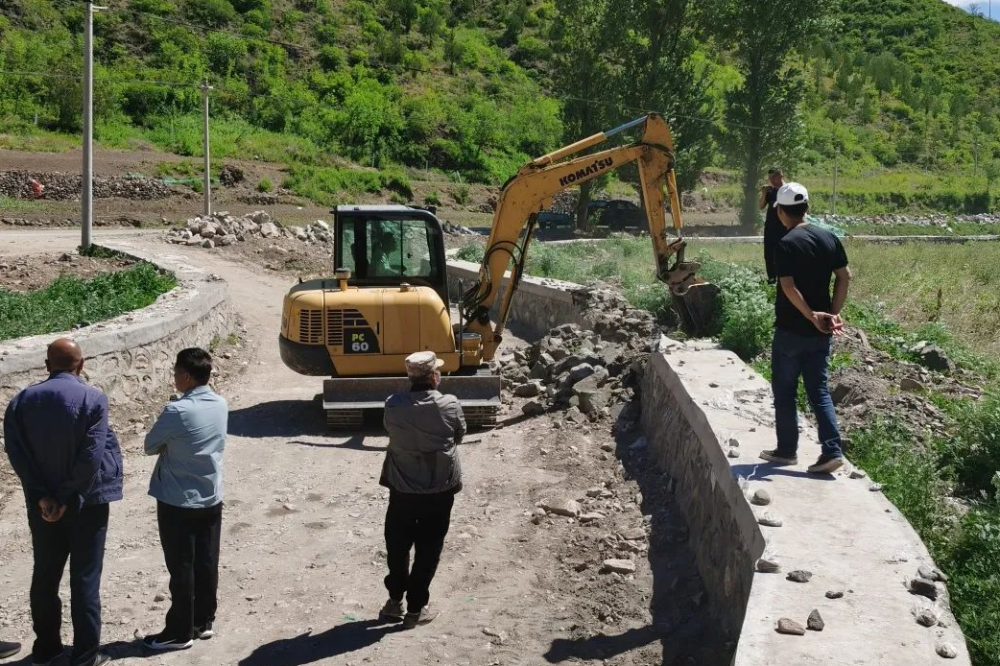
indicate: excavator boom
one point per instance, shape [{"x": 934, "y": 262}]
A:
[{"x": 533, "y": 188}]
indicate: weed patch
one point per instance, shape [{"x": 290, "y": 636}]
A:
[{"x": 70, "y": 301}]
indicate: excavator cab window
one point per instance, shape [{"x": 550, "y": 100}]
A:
[{"x": 384, "y": 250}]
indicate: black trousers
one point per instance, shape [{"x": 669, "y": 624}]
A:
[
  {"x": 190, "y": 539},
  {"x": 78, "y": 536},
  {"x": 420, "y": 522}
]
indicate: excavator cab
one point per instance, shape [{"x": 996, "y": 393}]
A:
[{"x": 388, "y": 298}]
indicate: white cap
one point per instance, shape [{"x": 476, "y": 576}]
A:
[
  {"x": 422, "y": 364},
  {"x": 792, "y": 194}
]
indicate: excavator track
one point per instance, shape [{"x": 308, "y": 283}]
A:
[
  {"x": 345, "y": 419},
  {"x": 480, "y": 418}
]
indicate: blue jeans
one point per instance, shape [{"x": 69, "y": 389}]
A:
[{"x": 793, "y": 355}]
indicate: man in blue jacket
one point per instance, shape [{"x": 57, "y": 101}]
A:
[
  {"x": 189, "y": 438},
  {"x": 70, "y": 465}
]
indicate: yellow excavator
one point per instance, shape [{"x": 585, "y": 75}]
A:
[{"x": 389, "y": 297}]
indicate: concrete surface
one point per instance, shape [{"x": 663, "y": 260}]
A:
[
  {"x": 134, "y": 352},
  {"x": 850, "y": 538}
]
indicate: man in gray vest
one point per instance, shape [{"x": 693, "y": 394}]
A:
[{"x": 423, "y": 475}]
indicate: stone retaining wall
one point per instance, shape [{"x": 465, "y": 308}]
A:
[
  {"x": 67, "y": 186},
  {"x": 539, "y": 305},
  {"x": 130, "y": 356},
  {"x": 726, "y": 540}
]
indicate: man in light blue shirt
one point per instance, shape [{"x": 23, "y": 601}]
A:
[{"x": 189, "y": 437}]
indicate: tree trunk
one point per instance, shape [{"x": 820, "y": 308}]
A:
[
  {"x": 581, "y": 205},
  {"x": 749, "y": 214}
]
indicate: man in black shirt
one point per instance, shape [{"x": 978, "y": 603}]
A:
[
  {"x": 806, "y": 318},
  {"x": 774, "y": 231}
]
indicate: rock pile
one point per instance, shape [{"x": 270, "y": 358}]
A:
[
  {"x": 939, "y": 220},
  {"x": 584, "y": 371},
  {"x": 68, "y": 186},
  {"x": 222, "y": 229}
]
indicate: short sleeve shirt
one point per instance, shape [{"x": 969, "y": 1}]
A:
[{"x": 809, "y": 255}]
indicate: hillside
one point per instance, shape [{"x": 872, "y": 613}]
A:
[
  {"x": 466, "y": 87},
  {"x": 905, "y": 82}
]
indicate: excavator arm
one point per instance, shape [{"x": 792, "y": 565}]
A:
[{"x": 533, "y": 188}]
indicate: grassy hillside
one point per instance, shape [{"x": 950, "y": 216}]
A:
[
  {"x": 901, "y": 85},
  {"x": 904, "y": 83},
  {"x": 376, "y": 82}
]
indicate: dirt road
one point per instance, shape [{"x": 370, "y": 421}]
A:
[{"x": 303, "y": 557}]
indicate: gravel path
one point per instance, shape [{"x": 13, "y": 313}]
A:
[{"x": 302, "y": 554}]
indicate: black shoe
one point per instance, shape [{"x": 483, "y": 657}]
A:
[
  {"x": 162, "y": 642},
  {"x": 204, "y": 632},
  {"x": 99, "y": 660},
  {"x": 779, "y": 458},
  {"x": 392, "y": 611},
  {"x": 47, "y": 661},
  {"x": 424, "y": 616},
  {"x": 826, "y": 465},
  {"x": 9, "y": 649}
]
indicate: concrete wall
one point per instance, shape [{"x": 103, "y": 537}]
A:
[
  {"x": 130, "y": 355},
  {"x": 540, "y": 304}
]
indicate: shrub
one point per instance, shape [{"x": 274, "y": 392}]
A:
[
  {"x": 461, "y": 194},
  {"x": 433, "y": 199},
  {"x": 474, "y": 253},
  {"x": 264, "y": 185}
]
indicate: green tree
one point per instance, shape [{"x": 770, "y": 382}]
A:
[
  {"x": 656, "y": 49},
  {"x": 762, "y": 115},
  {"x": 583, "y": 75}
]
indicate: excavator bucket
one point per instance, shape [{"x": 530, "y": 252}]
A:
[
  {"x": 345, "y": 399},
  {"x": 695, "y": 301}
]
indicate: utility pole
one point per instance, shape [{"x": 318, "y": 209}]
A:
[
  {"x": 836, "y": 168},
  {"x": 205, "y": 88},
  {"x": 87, "y": 196}
]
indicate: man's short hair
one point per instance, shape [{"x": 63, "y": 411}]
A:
[
  {"x": 797, "y": 212},
  {"x": 197, "y": 363},
  {"x": 775, "y": 171}
]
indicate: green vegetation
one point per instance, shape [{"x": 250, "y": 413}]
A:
[
  {"x": 264, "y": 185},
  {"x": 70, "y": 301},
  {"x": 477, "y": 88},
  {"x": 433, "y": 199},
  {"x": 948, "y": 294},
  {"x": 393, "y": 81},
  {"x": 919, "y": 478}
]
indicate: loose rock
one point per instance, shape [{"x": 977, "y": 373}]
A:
[
  {"x": 926, "y": 617},
  {"x": 799, "y": 576},
  {"x": 761, "y": 497},
  {"x": 946, "y": 650},
  {"x": 924, "y": 588},
  {"x": 835, "y": 594},
  {"x": 791, "y": 627},
  {"x": 619, "y": 566},
  {"x": 768, "y": 520},
  {"x": 815, "y": 621},
  {"x": 768, "y": 566},
  {"x": 568, "y": 508}
]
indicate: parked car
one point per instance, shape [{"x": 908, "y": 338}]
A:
[
  {"x": 550, "y": 219},
  {"x": 617, "y": 215}
]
